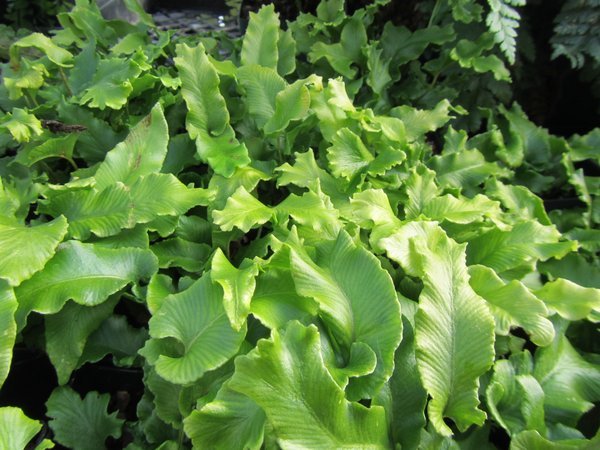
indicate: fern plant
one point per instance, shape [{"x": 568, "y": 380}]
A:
[
  {"x": 577, "y": 32},
  {"x": 503, "y": 21}
]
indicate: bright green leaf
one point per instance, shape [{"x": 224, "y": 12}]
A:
[
  {"x": 196, "y": 320},
  {"x": 238, "y": 287},
  {"x": 260, "y": 41},
  {"x": 356, "y": 300},
  {"x": 231, "y": 421},
  {"x": 141, "y": 153},
  {"x": 571, "y": 301},
  {"x": 287, "y": 378},
  {"x": 16, "y": 429},
  {"x": 84, "y": 273},
  {"x": 243, "y": 211},
  {"x": 25, "y": 250},
  {"x": 512, "y": 305}
]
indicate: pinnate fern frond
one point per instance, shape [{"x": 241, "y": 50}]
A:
[
  {"x": 577, "y": 32},
  {"x": 503, "y": 21}
]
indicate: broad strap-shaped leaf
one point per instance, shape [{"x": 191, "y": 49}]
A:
[
  {"x": 532, "y": 440},
  {"x": 141, "y": 153},
  {"x": 81, "y": 424},
  {"x": 515, "y": 399},
  {"x": 243, "y": 211},
  {"x": 119, "y": 207},
  {"x": 569, "y": 300},
  {"x": 421, "y": 189},
  {"x": 523, "y": 245},
  {"x": 512, "y": 305},
  {"x": 231, "y": 421},
  {"x": 286, "y": 46},
  {"x": 260, "y": 41},
  {"x": 207, "y": 110},
  {"x": 66, "y": 333},
  {"x": 84, "y": 273},
  {"x": 16, "y": 429},
  {"x": 451, "y": 353},
  {"x": 356, "y": 300},
  {"x": 196, "y": 319},
  {"x": 8, "y": 306},
  {"x": 571, "y": 384},
  {"x": 238, "y": 286},
  {"x": 25, "y": 250},
  {"x": 177, "y": 252},
  {"x": 207, "y": 120},
  {"x": 287, "y": 378},
  {"x": 275, "y": 301},
  {"x": 261, "y": 87}
]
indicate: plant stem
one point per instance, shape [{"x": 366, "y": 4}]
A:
[
  {"x": 64, "y": 79},
  {"x": 72, "y": 162},
  {"x": 30, "y": 99},
  {"x": 434, "y": 13}
]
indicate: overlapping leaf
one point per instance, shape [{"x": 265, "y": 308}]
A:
[
  {"x": 451, "y": 353},
  {"x": 25, "y": 250},
  {"x": 208, "y": 118},
  {"x": 287, "y": 378},
  {"x": 84, "y": 273},
  {"x": 196, "y": 320},
  {"x": 356, "y": 300},
  {"x": 81, "y": 424}
]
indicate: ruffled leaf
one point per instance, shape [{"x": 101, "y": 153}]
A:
[
  {"x": 207, "y": 120},
  {"x": 260, "y": 41},
  {"x": 84, "y": 273},
  {"x": 81, "y": 424},
  {"x": 356, "y": 300},
  {"x": 516, "y": 400},
  {"x": 287, "y": 378},
  {"x": 231, "y": 421},
  {"x": 196, "y": 320},
  {"x": 523, "y": 245},
  {"x": 25, "y": 250},
  {"x": 571, "y": 301},
  {"x": 451, "y": 353},
  {"x": 243, "y": 211},
  {"x": 238, "y": 287},
  {"x": 571, "y": 384},
  {"x": 512, "y": 305}
]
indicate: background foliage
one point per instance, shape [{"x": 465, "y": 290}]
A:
[{"x": 338, "y": 231}]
